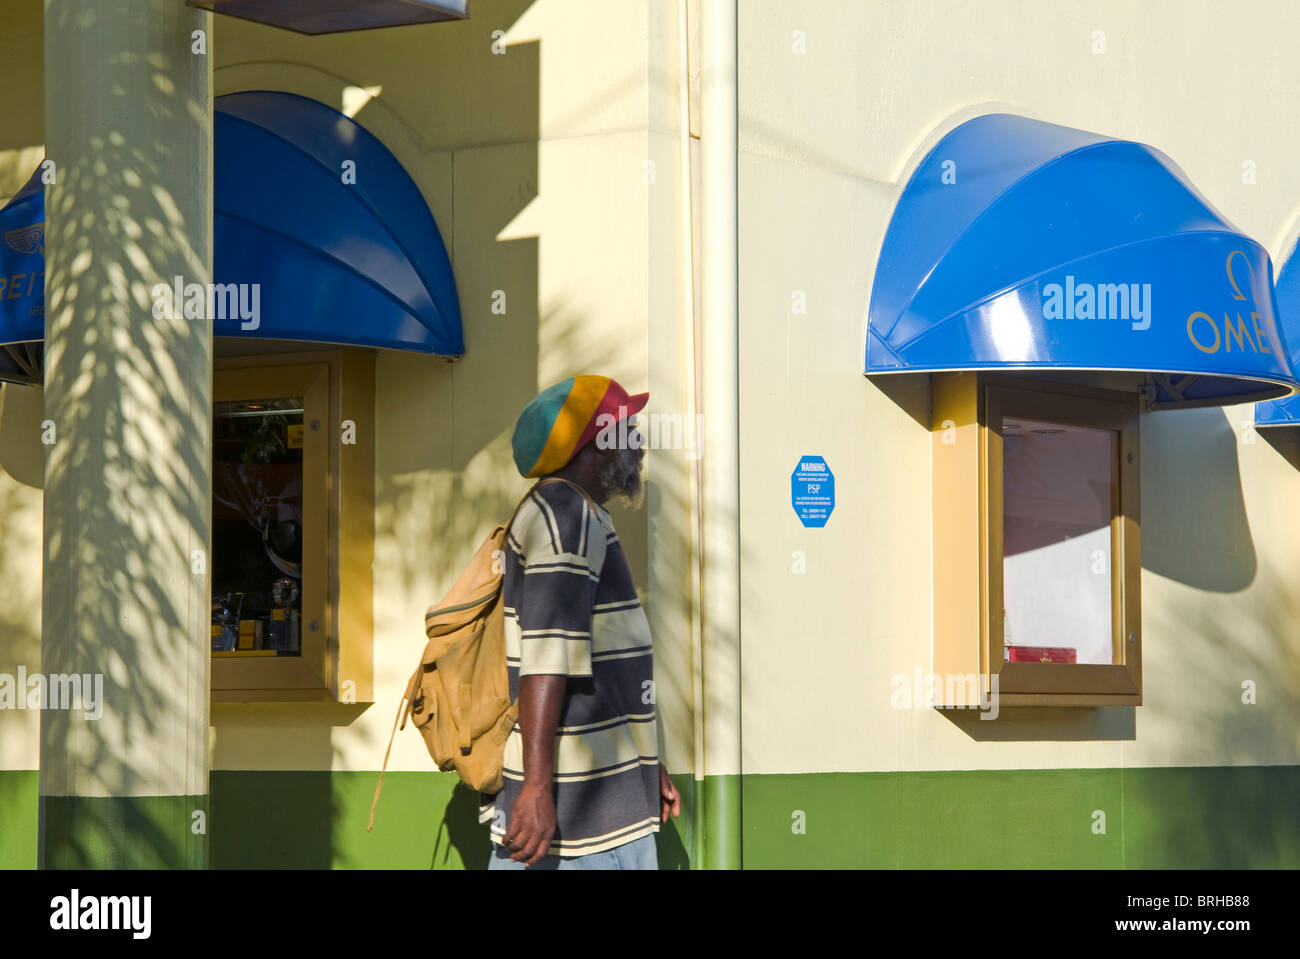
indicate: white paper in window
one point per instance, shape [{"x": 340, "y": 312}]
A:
[{"x": 1056, "y": 573}]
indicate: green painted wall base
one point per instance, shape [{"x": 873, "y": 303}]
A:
[
  {"x": 1181, "y": 818},
  {"x": 1163, "y": 818},
  {"x": 18, "y": 805},
  {"x": 425, "y": 820},
  {"x": 124, "y": 832}
]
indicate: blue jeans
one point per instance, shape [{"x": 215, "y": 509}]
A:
[{"x": 637, "y": 854}]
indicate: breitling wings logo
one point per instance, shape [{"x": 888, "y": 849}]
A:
[{"x": 27, "y": 239}]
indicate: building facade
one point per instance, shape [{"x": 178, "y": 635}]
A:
[{"x": 575, "y": 158}]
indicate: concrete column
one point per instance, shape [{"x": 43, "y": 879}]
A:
[{"x": 128, "y": 419}]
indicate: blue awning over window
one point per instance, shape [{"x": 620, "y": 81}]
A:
[
  {"x": 1023, "y": 245},
  {"x": 317, "y": 211},
  {"x": 1285, "y": 412},
  {"x": 310, "y": 207},
  {"x": 22, "y": 282}
]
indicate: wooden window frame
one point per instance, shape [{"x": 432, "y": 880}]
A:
[
  {"x": 968, "y": 552},
  {"x": 336, "y": 663}
]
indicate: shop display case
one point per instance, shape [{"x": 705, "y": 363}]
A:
[
  {"x": 257, "y": 526},
  {"x": 292, "y": 526},
  {"x": 1037, "y": 569}
]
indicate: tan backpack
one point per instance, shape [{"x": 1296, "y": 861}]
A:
[{"x": 459, "y": 695}]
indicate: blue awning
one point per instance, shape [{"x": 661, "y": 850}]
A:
[
  {"x": 22, "y": 282},
  {"x": 1285, "y": 412},
  {"x": 316, "y": 210},
  {"x": 1023, "y": 245},
  {"x": 337, "y": 257}
]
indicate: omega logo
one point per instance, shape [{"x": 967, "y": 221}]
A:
[{"x": 1201, "y": 326}]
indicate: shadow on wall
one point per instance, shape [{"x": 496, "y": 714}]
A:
[
  {"x": 910, "y": 392},
  {"x": 436, "y": 493},
  {"x": 1285, "y": 441},
  {"x": 666, "y": 519},
  {"x": 22, "y": 460},
  {"x": 462, "y": 831},
  {"x": 22, "y": 455},
  {"x": 1195, "y": 532},
  {"x": 444, "y": 468},
  {"x": 447, "y": 418},
  {"x": 22, "y": 79},
  {"x": 444, "y": 476},
  {"x": 1225, "y": 689},
  {"x": 1194, "y": 525},
  {"x": 1021, "y": 724},
  {"x": 1230, "y": 677},
  {"x": 269, "y": 818},
  {"x": 1227, "y": 817}
]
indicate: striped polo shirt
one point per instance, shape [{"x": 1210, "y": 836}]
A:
[{"x": 571, "y": 610}]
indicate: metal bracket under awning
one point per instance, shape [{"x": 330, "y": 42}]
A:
[{"x": 1172, "y": 385}]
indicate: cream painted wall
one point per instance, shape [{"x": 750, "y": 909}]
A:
[
  {"x": 827, "y": 139},
  {"x": 22, "y": 31},
  {"x": 535, "y": 170},
  {"x": 22, "y": 134},
  {"x": 21, "y": 477},
  {"x": 538, "y": 176}
]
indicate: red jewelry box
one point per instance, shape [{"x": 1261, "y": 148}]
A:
[{"x": 1042, "y": 654}]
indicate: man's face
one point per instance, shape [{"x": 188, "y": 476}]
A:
[{"x": 620, "y": 468}]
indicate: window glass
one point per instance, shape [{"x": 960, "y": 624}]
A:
[
  {"x": 1058, "y": 494},
  {"x": 257, "y": 526}
]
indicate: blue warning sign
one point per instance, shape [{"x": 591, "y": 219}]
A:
[{"x": 812, "y": 491}]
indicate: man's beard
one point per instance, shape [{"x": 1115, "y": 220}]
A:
[{"x": 621, "y": 476}]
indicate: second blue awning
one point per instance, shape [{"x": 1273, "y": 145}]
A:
[
  {"x": 1023, "y": 245},
  {"x": 1285, "y": 412}
]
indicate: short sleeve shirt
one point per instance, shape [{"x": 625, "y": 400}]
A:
[{"x": 571, "y": 610}]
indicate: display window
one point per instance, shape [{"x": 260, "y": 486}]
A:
[
  {"x": 257, "y": 526},
  {"x": 1037, "y": 554},
  {"x": 292, "y": 527}
]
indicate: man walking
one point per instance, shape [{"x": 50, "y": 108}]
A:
[{"x": 583, "y": 786}]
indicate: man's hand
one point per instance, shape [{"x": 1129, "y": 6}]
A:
[
  {"x": 669, "y": 799},
  {"x": 532, "y": 823}
]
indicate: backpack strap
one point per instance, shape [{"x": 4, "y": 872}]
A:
[
  {"x": 560, "y": 479},
  {"x": 546, "y": 479},
  {"x": 402, "y": 707}
]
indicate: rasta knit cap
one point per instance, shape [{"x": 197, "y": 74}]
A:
[{"x": 563, "y": 418}]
